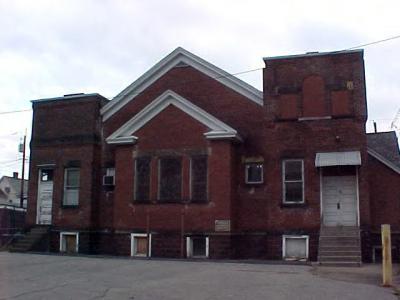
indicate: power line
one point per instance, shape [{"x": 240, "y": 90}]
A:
[
  {"x": 241, "y": 72},
  {"x": 373, "y": 43},
  {"x": 14, "y": 111}
]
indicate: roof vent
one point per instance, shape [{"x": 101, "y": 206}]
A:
[
  {"x": 312, "y": 52},
  {"x": 76, "y": 94}
]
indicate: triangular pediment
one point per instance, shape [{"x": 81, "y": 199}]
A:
[
  {"x": 126, "y": 133},
  {"x": 179, "y": 57}
]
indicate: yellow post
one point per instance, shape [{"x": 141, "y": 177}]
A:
[{"x": 386, "y": 255}]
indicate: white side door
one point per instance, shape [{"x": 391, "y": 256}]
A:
[
  {"x": 45, "y": 196},
  {"x": 339, "y": 200}
]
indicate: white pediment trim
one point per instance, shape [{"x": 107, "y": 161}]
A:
[
  {"x": 218, "y": 129},
  {"x": 176, "y": 58}
]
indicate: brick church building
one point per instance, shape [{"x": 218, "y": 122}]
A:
[{"x": 190, "y": 162}]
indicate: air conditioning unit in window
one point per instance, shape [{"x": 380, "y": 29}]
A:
[{"x": 108, "y": 180}]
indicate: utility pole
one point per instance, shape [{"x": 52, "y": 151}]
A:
[{"x": 21, "y": 203}]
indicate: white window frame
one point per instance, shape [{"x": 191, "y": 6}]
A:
[
  {"x": 284, "y": 237},
  {"x": 134, "y": 245},
  {"x": 247, "y": 166},
  {"x": 65, "y": 188},
  {"x": 189, "y": 247},
  {"x": 289, "y": 181},
  {"x": 62, "y": 241}
]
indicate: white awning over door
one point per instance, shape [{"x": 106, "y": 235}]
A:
[{"x": 350, "y": 158}]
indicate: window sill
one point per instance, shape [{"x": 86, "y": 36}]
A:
[
  {"x": 294, "y": 205},
  {"x": 69, "y": 206},
  {"x": 254, "y": 183},
  {"x": 159, "y": 202}
]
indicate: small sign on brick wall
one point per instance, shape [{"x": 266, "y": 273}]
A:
[{"x": 222, "y": 225}]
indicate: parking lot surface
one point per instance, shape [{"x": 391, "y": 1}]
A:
[{"x": 33, "y": 276}]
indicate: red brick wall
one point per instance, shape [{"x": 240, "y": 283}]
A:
[
  {"x": 385, "y": 195},
  {"x": 65, "y": 131},
  {"x": 176, "y": 133}
]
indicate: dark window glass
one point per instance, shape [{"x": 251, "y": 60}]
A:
[
  {"x": 294, "y": 192},
  {"x": 199, "y": 246},
  {"x": 71, "y": 186},
  {"x": 170, "y": 179},
  {"x": 293, "y": 181},
  {"x": 254, "y": 173},
  {"x": 199, "y": 178},
  {"x": 293, "y": 170},
  {"x": 142, "y": 179}
]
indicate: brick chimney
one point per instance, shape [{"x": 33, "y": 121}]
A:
[{"x": 15, "y": 175}]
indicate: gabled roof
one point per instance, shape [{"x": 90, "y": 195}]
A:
[
  {"x": 384, "y": 147},
  {"x": 178, "y": 57},
  {"x": 125, "y": 134},
  {"x": 15, "y": 184}
]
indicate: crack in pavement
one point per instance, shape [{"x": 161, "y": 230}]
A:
[{"x": 35, "y": 291}]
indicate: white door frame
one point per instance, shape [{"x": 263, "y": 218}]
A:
[
  {"x": 38, "y": 201},
  {"x": 321, "y": 197}
]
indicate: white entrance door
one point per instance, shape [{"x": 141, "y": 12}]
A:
[
  {"x": 339, "y": 200},
  {"x": 45, "y": 196}
]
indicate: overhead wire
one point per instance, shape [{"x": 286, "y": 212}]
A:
[{"x": 237, "y": 73}]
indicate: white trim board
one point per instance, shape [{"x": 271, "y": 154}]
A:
[
  {"x": 63, "y": 246},
  {"x": 177, "y": 57},
  {"x": 305, "y": 237},
  {"x": 383, "y": 160},
  {"x": 125, "y": 134},
  {"x": 134, "y": 246}
]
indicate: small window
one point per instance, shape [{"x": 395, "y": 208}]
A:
[
  {"x": 254, "y": 173},
  {"x": 46, "y": 175},
  {"x": 142, "y": 179},
  {"x": 197, "y": 246},
  {"x": 198, "y": 178},
  {"x": 69, "y": 242},
  {"x": 293, "y": 181},
  {"x": 170, "y": 179},
  {"x": 71, "y": 186},
  {"x": 140, "y": 244},
  {"x": 295, "y": 247}
]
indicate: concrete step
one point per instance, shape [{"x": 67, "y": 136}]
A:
[
  {"x": 339, "y": 258},
  {"x": 339, "y": 244},
  {"x": 340, "y": 264},
  {"x": 339, "y": 253},
  {"x": 338, "y": 248}
]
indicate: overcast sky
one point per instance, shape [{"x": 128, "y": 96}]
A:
[{"x": 52, "y": 48}]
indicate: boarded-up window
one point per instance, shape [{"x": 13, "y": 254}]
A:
[
  {"x": 141, "y": 244},
  {"x": 170, "y": 179},
  {"x": 69, "y": 242},
  {"x": 198, "y": 178},
  {"x": 295, "y": 247},
  {"x": 288, "y": 106},
  {"x": 340, "y": 103},
  {"x": 314, "y": 97},
  {"x": 142, "y": 178}
]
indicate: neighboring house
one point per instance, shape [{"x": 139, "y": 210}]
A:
[
  {"x": 12, "y": 216},
  {"x": 10, "y": 190},
  {"x": 189, "y": 161}
]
